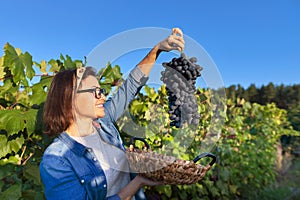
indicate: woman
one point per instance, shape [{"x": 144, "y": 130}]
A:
[{"x": 87, "y": 158}]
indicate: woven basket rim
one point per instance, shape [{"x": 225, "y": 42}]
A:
[{"x": 172, "y": 171}]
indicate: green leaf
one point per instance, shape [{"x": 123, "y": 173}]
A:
[
  {"x": 107, "y": 71},
  {"x": 20, "y": 64},
  {"x": 15, "y": 160},
  {"x": 7, "y": 170},
  {"x": 43, "y": 66},
  {"x": 12, "y": 121},
  {"x": 68, "y": 63},
  {"x": 1, "y": 61},
  {"x": 38, "y": 90},
  {"x": 148, "y": 115},
  {"x": 36, "y": 194},
  {"x": 12, "y": 193},
  {"x": 27, "y": 62},
  {"x": 10, "y": 54},
  {"x": 150, "y": 92},
  {"x": 163, "y": 90},
  {"x": 2, "y": 73},
  {"x": 233, "y": 188},
  {"x": 8, "y": 89},
  {"x": 32, "y": 172},
  {"x": 16, "y": 61},
  {"x": 168, "y": 190},
  {"x": 138, "y": 107},
  {"x": 78, "y": 63},
  {"x": 8, "y": 147},
  {"x": 4, "y": 148},
  {"x": 116, "y": 71},
  {"x": 55, "y": 67},
  {"x": 108, "y": 80},
  {"x": 30, "y": 119},
  {"x": 61, "y": 57},
  {"x": 15, "y": 145}
]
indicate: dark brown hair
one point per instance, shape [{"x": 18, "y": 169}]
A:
[{"x": 58, "y": 113}]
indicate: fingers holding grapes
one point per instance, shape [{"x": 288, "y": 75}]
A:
[
  {"x": 174, "y": 41},
  {"x": 178, "y": 37}
]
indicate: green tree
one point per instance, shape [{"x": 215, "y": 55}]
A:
[
  {"x": 294, "y": 116},
  {"x": 231, "y": 92},
  {"x": 240, "y": 92},
  {"x": 252, "y": 93},
  {"x": 280, "y": 98}
]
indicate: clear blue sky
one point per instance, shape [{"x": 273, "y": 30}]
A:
[{"x": 255, "y": 41}]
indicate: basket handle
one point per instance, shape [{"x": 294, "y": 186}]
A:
[
  {"x": 206, "y": 154},
  {"x": 133, "y": 139}
]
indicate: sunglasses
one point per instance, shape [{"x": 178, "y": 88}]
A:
[{"x": 97, "y": 91}]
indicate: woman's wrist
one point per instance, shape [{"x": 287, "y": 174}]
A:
[{"x": 139, "y": 181}]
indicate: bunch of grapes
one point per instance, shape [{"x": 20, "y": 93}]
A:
[{"x": 180, "y": 76}]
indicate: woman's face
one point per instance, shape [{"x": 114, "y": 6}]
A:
[{"x": 86, "y": 104}]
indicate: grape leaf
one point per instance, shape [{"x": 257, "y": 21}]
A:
[
  {"x": 15, "y": 160},
  {"x": 42, "y": 66},
  {"x": 54, "y": 66},
  {"x": 68, "y": 63},
  {"x": 27, "y": 62},
  {"x": 1, "y": 68},
  {"x": 18, "y": 63},
  {"x": 4, "y": 148},
  {"x": 38, "y": 90},
  {"x": 32, "y": 172},
  {"x": 15, "y": 145},
  {"x": 30, "y": 118},
  {"x": 12, "y": 121},
  {"x": 13, "y": 192},
  {"x": 106, "y": 72},
  {"x": 116, "y": 72},
  {"x": 150, "y": 92}
]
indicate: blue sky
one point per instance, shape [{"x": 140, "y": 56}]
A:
[{"x": 255, "y": 41}]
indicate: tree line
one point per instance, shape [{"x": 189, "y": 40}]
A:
[{"x": 284, "y": 96}]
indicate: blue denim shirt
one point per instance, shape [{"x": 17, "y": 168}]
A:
[{"x": 70, "y": 170}]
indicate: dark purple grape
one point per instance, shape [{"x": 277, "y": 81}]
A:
[{"x": 180, "y": 76}]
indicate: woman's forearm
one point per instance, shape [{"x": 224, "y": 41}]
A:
[
  {"x": 148, "y": 61},
  {"x": 129, "y": 190}
]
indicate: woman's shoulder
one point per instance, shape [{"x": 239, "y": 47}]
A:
[
  {"x": 56, "y": 148},
  {"x": 57, "y": 155}
]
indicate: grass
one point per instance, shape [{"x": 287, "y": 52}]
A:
[{"x": 287, "y": 185}]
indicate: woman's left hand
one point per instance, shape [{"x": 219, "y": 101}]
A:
[
  {"x": 147, "y": 182},
  {"x": 174, "y": 41}
]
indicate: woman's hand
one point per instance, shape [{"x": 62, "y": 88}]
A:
[
  {"x": 147, "y": 182},
  {"x": 173, "y": 42},
  {"x": 129, "y": 190}
]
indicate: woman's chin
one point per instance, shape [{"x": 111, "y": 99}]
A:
[{"x": 100, "y": 115}]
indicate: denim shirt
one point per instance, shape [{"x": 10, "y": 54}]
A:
[{"x": 70, "y": 170}]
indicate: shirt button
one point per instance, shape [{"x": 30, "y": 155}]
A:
[
  {"x": 104, "y": 185},
  {"x": 89, "y": 150},
  {"x": 82, "y": 181},
  {"x": 95, "y": 159}
]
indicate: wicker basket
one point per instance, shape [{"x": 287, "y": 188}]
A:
[{"x": 166, "y": 169}]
